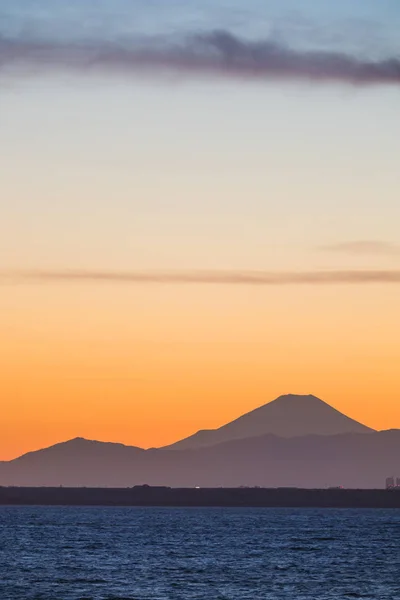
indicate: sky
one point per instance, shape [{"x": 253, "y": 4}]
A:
[{"x": 213, "y": 167}]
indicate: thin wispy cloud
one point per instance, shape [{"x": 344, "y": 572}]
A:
[
  {"x": 363, "y": 247},
  {"x": 219, "y": 54},
  {"x": 231, "y": 278}
]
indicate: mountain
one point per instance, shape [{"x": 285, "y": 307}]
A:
[
  {"x": 287, "y": 416},
  {"x": 293, "y": 441},
  {"x": 77, "y": 462},
  {"x": 353, "y": 460}
]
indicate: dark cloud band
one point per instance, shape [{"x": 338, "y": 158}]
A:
[
  {"x": 219, "y": 54},
  {"x": 244, "y": 278}
]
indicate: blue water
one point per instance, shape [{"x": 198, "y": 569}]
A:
[{"x": 135, "y": 553}]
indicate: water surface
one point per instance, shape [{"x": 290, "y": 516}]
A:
[{"x": 170, "y": 554}]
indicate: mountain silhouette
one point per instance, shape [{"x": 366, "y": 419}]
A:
[
  {"x": 353, "y": 460},
  {"x": 77, "y": 462},
  {"x": 312, "y": 445},
  {"x": 287, "y": 416}
]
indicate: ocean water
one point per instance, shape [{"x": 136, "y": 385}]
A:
[{"x": 167, "y": 554}]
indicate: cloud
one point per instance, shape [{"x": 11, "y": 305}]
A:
[
  {"x": 218, "y": 53},
  {"x": 232, "y": 278},
  {"x": 366, "y": 247}
]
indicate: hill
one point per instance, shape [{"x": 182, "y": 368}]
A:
[{"x": 77, "y": 462}]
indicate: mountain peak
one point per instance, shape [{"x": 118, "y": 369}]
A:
[
  {"x": 290, "y": 415},
  {"x": 297, "y": 398}
]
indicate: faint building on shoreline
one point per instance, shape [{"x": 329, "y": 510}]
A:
[{"x": 392, "y": 483}]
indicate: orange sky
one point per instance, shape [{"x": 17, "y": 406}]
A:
[
  {"x": 117, "y": 175},
  {"x": 147, "y": 366}
]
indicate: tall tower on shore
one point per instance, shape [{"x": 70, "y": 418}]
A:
[{"x": 389, "y": 483}]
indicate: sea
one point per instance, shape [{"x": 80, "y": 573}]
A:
[{"x": 71, "y": 553}]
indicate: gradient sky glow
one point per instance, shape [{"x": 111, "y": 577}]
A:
[{"x": 115, "y": 172}]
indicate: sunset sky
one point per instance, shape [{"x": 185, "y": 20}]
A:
[{"x": 124, "y": 172}]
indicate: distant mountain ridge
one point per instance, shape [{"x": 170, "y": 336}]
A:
[
  {"x": 288, "y": 416},
  {"x": 353, "y": 460},
  {"x": 314, "y": 446}
]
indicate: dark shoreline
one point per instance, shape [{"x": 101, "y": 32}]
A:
[{"x": 189, "y": 497}]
